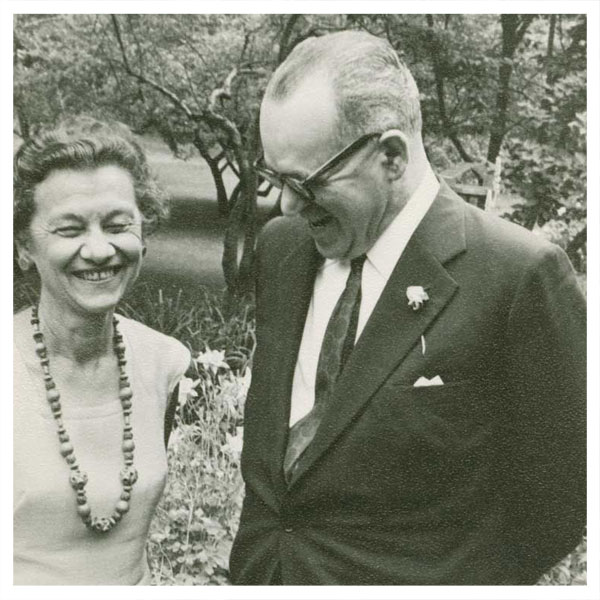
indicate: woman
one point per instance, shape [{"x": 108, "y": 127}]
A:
[{"x": 91, "y": 387}]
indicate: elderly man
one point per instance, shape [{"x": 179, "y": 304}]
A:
[{"x": 417, "y": 407}]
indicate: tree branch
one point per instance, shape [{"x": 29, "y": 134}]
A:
[
  {"x": 120, "y": 41},
  {"x": 223, "y": 92},
  {"x": 285, "y": 38}
]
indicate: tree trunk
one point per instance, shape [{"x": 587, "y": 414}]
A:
[
  {"x": 246, "y": 272},
  {"x": 230, "y": 245},
  {"x": 284, "y": 45},
  {"x": 435, "y": 50},
  {"x": 513, "y": 30},
  {"x": 215, "y": 171},
  {"x": 22, "y": 118},
  {"x": 498, "y": 129},
  {"x": 574, "y": 245},
  {"x": 550, "y": 49}
]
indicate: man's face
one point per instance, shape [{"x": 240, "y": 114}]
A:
[{"x": 354, "y": 202}]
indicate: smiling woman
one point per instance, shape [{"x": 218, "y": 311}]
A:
[{"x": 87, "y": 382}]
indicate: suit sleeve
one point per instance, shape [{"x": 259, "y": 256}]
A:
[{"x": 544, "y": 437}]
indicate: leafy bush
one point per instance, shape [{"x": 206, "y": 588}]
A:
[{"x": 572, "y": 570}]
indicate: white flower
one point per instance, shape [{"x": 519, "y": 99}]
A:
[
  {"x": 416, "y": 296},
  {"x": 245, "y": 380},
  {"x": 212, "y": 360},
  {"x": 235, "y": 442},
  {"x": 187, "y": 390}
]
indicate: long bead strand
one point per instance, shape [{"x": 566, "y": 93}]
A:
[{"x": 78, "y": 478}]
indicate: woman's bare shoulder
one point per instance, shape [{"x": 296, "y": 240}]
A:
[{"x": 22, "y": 323}]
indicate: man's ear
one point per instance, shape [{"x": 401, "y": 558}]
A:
[{"x": 394, "y": 145}]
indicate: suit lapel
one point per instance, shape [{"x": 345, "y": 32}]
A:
[
  {"x": 394, "y": 328},
  {"x": 295, "y": 287}
]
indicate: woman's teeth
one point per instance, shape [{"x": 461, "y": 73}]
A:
[{"x": 100, "y": 275}]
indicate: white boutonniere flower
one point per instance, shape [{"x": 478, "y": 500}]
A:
[{"x": 417, "y": 296}]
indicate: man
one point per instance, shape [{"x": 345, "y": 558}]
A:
[{"x": 416, "y": 416}]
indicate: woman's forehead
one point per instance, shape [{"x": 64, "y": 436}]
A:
[{"x": 85, "y": 190}]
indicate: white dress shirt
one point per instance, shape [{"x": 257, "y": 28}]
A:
[{"x": 331, "y": 281}]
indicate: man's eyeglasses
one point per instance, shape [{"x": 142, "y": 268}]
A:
[{"x": 301, "y": 186}]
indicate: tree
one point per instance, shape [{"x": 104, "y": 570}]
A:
[{"x": 508, "y": 85}]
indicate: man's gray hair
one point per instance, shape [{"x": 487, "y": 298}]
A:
[{"x": 374, "y": 90}]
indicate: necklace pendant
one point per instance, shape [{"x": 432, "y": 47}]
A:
[{"x": 102, "y": 524}]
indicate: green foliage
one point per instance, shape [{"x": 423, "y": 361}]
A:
[
  {"x": 550, "y": 176},
  {"x": 67, "y": 64},
  {"x": 197, "y": 518},
  {"x": 572, "y": 570},
  {"x": 199, "y": 321}
]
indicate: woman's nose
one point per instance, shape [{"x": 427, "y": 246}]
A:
[
  {"x": 97, "y": 247},
  {"x": 291, "y": 202}
]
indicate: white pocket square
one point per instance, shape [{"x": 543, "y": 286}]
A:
[{"x": 423, "y": 381}]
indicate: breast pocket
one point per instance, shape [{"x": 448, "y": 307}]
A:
[{"x": 450, "y": 418}]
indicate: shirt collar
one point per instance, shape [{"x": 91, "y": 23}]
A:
[{"x": 386, "y": 251}]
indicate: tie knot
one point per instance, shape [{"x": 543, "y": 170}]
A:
[{"x": 356, "y": 264}]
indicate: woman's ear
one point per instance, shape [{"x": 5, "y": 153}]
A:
[
  {"x": 24, "y": 259},
  {"x": 394, "y": 145}
]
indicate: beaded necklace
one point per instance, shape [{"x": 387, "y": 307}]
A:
[{"x": 77, "y": 478}]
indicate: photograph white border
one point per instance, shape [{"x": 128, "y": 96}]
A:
[{"x": 591, "y": 7}]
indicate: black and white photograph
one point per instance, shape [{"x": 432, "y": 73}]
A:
[{"x": 301, "y": 299}]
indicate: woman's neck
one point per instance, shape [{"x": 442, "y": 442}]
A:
[{"x": 79, "y": 337}]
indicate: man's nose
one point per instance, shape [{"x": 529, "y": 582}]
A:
[
  {"x": 97, "y": 247},
  {"x": 291, "y": 202}
]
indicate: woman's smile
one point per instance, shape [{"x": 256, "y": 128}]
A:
[{"x": 99, "y": 275}]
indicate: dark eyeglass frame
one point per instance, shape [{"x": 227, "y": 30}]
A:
[{"x": 300, "y": 186}]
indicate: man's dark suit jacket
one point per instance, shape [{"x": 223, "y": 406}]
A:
[{"x": 478, "y": 481}]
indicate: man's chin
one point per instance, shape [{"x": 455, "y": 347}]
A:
[{"x": 332, "y": 251}]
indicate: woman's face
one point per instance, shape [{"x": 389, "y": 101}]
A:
[{"x": 85, "y": 238}]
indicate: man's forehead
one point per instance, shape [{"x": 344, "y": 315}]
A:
[{"x": 306, "y": 117}]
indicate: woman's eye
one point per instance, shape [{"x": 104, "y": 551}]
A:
[
  {"x": 117, "y": 227},
  {"x": 69, "y": 231}
]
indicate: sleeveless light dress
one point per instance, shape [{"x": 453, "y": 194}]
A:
[{"x": 52, "y": 546}]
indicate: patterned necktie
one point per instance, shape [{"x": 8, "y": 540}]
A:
[{"x": 337, "y": 345}]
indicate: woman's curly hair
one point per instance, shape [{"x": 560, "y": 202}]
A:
[{"x": 83, "y": 143}]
